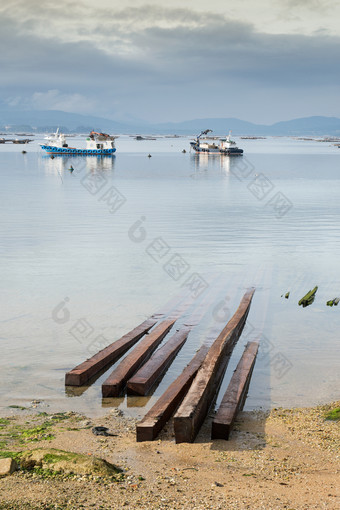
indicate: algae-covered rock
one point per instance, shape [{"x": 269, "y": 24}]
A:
[
  {"x": 67, "y": 462},
  {"x": 308, "y": 298},
  {"x": 334, "y": 302}
]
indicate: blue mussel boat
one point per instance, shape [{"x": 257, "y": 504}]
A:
[{"x": 97, "y": 144}]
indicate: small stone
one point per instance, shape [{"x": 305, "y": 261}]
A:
[{"x": 7, "y": 466}]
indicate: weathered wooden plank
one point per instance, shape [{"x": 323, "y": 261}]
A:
[
  {"x": 153, "y": 369},
  {"x": 204, "y": 389},
  {"x": 83, "y": 372},
  {"x": 235, "y": 395},
  {"x": 114, "y": 384},
  {"x": 110, "y": 354},
  {"x": 155, "y": 419}
]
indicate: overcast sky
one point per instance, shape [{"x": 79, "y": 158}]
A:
[{"x": 257, "y": 60}]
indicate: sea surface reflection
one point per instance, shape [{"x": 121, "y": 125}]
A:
[{"x": 102, "y": 240}]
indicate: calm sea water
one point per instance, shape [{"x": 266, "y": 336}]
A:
[{"x": 89, "y": 254}]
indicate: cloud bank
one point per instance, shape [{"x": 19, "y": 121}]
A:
[{"x": 162, "y": 64}]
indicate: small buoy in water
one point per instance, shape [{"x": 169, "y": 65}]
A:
[
  {"x": 149, "y": 156},
  {"x": 24, "y": 152},
  {"x": 184, "y": 151}
]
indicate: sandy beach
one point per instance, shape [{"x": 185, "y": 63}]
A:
[{"x": 286, "y": 458}]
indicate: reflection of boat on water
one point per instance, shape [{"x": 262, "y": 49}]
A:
[
  {"x": 88, "y": 164},
  {"x": 211, "y": 165},
  {"x": 208, "y": 145},
  {"x": 97, "y": 144}
]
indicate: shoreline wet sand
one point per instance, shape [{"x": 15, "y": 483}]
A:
[{"x": 285, "y": 458}]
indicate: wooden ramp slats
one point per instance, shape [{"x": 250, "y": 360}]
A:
[
  {"x": 145, "y": 378},
  {"x": 83, "y": 372},
  {"x": 235, "y": 395},
  {"x": 153, "y": 369},
  {"x": 155, "y": 419},
  {"x": 114, "y": 384},
  {"x": 202, "y": 393},
  {"x": 110, "y": 354}
]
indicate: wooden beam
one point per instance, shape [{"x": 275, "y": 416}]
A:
[
  {"x": 204, "y": 389},
  {"x": 235, "y": 395},
  {"x": 159, "y": 362},
  {"x": 110, "y": 354},
  {"x": 83, "y": 372},
  {"x": 151, "y": 372},
  {"x": 114, "y": 384},
  {"x": 155, "y": 419}
]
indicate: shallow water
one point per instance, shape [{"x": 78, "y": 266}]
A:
[{"x": 99, "y": 241}]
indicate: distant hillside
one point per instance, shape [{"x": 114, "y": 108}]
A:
[
  {"x": 220, "y": 126},
  {"x": 48, "y": 120},
  {"x": 317, "y": 126},
  {"x": 308, "y": 126}
]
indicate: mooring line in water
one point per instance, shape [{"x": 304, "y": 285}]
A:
[{"x": 60, "y": 176}]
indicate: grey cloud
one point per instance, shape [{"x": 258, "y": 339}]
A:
[
  {"x": 313, "y": 5},
  {"x": 235, "y": 51},
  {"x": 152, "y": 62}
]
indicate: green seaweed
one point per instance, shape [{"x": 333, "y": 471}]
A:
[
  {"x": 39, "y": 433},
  {"x": 333, "y": 415},
  {"x": 51, "y": 458},
  {"x": 5, "y": 454},
  {"x": 49, "y": 473}
]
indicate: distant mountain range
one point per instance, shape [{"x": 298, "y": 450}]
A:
[
  {"x": 317, "y": 126},
  {"x": 48, "y": 120}
]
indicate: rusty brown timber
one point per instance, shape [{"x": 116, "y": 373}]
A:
[
  {"x": 89, "y": 368},
  {"x": 153, "y": 422},
  {"x": 235, "y": 395},
  {"x": 153, "y": 369},
  {"x": 204, "y": 388},
  {"x": 113, "y": 385},
  {"x": 110, "y": 354}
]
